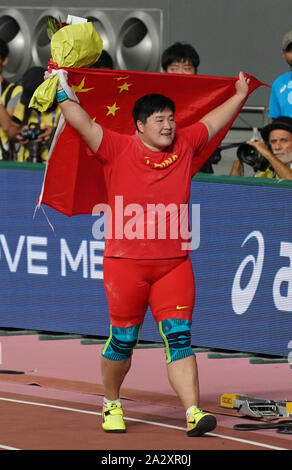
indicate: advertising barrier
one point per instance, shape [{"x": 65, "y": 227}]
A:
[{"x": 51, "y": 278}]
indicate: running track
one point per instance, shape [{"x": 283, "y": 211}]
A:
[{"x": 55, "y": 402}]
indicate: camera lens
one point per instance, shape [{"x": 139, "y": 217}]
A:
[{"x": 247, "y": 154}]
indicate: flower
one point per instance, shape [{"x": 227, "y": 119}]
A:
[
  {"x": 72, "y": 45},
  {"x": 53, "y": 26}
]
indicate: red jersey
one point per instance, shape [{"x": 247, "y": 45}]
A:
[{"x": 148, "y": 194}]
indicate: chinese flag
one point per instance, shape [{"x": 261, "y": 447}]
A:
[{"x": 74, "y": 180}]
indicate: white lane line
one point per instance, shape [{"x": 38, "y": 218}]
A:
[
  {"x": 237, "y": 439},
  {"x": 154, "y": 423}
]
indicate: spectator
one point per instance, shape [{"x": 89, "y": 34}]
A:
[
  {"x": 183, "y": 58},
  {"x": 180, "y": 58},
  {"x": 105, "y": 61},
  {"x": 281, "y": 94},
  {"x": 4, "y": 51},
  {"x": 276, "y": 147},
  {"x": 36, "y": 147},
  {"x": 10, "y": 94}
]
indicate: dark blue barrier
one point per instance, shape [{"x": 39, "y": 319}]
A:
[{"x": 52, "y": 281}]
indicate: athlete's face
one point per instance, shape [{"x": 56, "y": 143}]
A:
[
  {"x": 158, "y": 131},
  {"x": 281, "y": 144}
]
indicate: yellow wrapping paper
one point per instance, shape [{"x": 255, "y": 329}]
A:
[{"x": 76, "y": 45}]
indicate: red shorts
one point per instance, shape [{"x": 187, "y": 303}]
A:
[{"x": 166, "y": 285}]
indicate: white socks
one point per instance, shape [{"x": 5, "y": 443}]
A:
[
  {"x": 106, "y": 401},
  {"x": 188, "y": 412}
]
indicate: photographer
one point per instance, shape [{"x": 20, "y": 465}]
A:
[
  {"x": 276, "y": 148},
  {"x": 10, "y": 93},
  {"x": 31, "y": 130}
]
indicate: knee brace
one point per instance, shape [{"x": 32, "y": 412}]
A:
[
  {"x": 176, "y": 334},
  {"x": 121, "y": 342}
]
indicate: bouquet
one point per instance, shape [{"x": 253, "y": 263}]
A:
[{"x": 72, "y": 45}]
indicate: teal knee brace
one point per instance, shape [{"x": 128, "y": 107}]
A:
[
  {"x": 121, "y": 342},
  {"x": 176, "y": 335}
]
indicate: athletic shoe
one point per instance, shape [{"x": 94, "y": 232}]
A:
[
  {"x": 199, "y": 422},
  {"x": 112, "y": 418}
]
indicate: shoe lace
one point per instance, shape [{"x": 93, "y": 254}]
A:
[{"x": 113, "y": 409}]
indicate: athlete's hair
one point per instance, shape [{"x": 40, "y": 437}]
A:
[
  {"x": 149, "y": 104},
  {"x": 180, "y": 52}
]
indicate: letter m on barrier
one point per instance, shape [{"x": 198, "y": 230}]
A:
[{"x": 81, "y": 257}]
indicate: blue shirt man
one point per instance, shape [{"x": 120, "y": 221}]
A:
[{"x": 281, "y": 94}]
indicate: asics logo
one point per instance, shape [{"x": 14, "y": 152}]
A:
[{"x": 242, "y": 297}]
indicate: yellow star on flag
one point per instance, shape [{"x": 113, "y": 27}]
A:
[
  {"x": 112, "y": 109},
  {"x": 79, "y": 88},
  {"x": 124, "y": 87}
]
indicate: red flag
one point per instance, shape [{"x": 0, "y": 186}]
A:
[{"x": 74, "y": 181}]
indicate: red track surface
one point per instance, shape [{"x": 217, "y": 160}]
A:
[{"x": 48, "y": 409}]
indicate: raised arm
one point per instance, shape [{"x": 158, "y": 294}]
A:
[
  {"x": 219, "y": 117},
  {"x": 78, "y": 118}
]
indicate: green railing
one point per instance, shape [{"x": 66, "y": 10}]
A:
[
  {"x": 247, "y": 180},
  {"x": 205, "y": 177},
  {"x": 4, "y": 164}
]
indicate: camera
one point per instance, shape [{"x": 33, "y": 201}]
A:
[
  {"x": 32, "y": 132},
  {"x": 35, "y": 148},
  {"x": 248, "y": 154}
]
